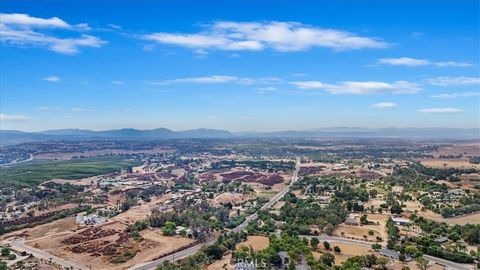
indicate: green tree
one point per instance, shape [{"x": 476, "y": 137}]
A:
[
  {"x": 5, "y": 251},
  {"x": 326, "y": 245},
  {"x": 376, "y": 246},
  {"x": 412, "y": 251},
  {"x": 314, "y": 242},
  {"x": 169, "y": 228},
  {"x": 327, "y": 259}
]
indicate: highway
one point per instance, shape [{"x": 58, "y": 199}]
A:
[
  {"x": 333, "y": 239},
  {"x": 190, "y": 251}
]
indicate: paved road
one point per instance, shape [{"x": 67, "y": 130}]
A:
[
  {"x": 18, "y": 244},
  {"x": 190, "y": 251},
  {"x": 333, "y": 239}
]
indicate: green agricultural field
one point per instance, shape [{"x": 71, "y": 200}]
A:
[{"x": 34, "y": 173}]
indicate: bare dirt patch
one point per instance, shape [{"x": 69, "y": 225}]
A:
[
  {"x": 461, "y": 220},
  {"x": 347, "y": 251},
  {"x": 257, "y": 242},
  {"x": 234, "y": 198},
  {"x": 358, "y": 232},
  {"x": 460, "y": 163}
]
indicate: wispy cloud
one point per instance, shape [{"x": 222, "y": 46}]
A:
[
  {"x": 13, "y": 117},
  {"x": 217, "y": 79},
  {"x": 404, "y": 61},
  {"x": 52, "y": 79},
  {"x": 46, "y": 108},
  {"x": 413, "y": 62},
  {"x": 118, "y": 82},
  {"x": 446, "y": 110},
  {"x": 257, "y": 36},
  {"x": 384, "y": 105},
  {"x": 453, "y": 81},
  {"x": 456, "y": 95},
  {"x": 23, "y": 30},
  {"x": 361, "y": 88},
  {"x": 214, "y": 79},
  {"x": 453, "y": 64},
  {"x": 265, "y": 90}
]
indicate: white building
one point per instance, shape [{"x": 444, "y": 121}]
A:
[
  {"x": 92, "y": 219},
  {"x": 401, "y": 221}
]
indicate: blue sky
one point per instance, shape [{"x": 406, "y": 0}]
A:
[{"x": 239, "y": 65}]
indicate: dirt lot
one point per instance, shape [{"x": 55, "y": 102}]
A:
[
  {"x": 257, "y": 242},
  {"x": 449, "y": 163},
  {"x": 375, "y": 203},
  {"x": 348, "y": 251},
  {"x": 61, "y": 226},
  {"x": 411, "y": 206},
  {"x": 100, "y": 244},
  {"x": 359, "y": 231},
  {"x": 462, "y": 220},
  {"x": 234, "y": 198},
  {"x": 135, "y": 213}
]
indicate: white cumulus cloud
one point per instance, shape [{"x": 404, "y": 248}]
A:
[
  {"x": 361, "y": 88},
  {"x": 23, "y": 30},
  {"x": 255, "y": 36},
  {"x": 404, "y": 61}
]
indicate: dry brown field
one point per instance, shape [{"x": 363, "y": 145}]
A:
[
  {"x": 461, "y": 163},
  {"x": 347, "y": 251},
  {"x": 257, "y": 242},
  {"x": 234, "y": 198},
  {"x": 358, "y": 232}
]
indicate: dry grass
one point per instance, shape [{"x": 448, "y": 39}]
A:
[
  {"x": 257, "y": 242},
  {"x": 359, "y": 231},
  {"x": 153, "y": 245},
  {"x": 462, "y": 220},
  {"x": 466, "y": 149},
  {"x": 348, "y": 251},
  {"x": 461, "y": 163},
  {"x": 234, "y": 198}
]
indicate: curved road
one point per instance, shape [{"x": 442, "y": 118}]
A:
[{"x": 19, "y": 245}]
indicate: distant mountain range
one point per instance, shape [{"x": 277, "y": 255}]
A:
[{"x": 13, "y": 136}]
